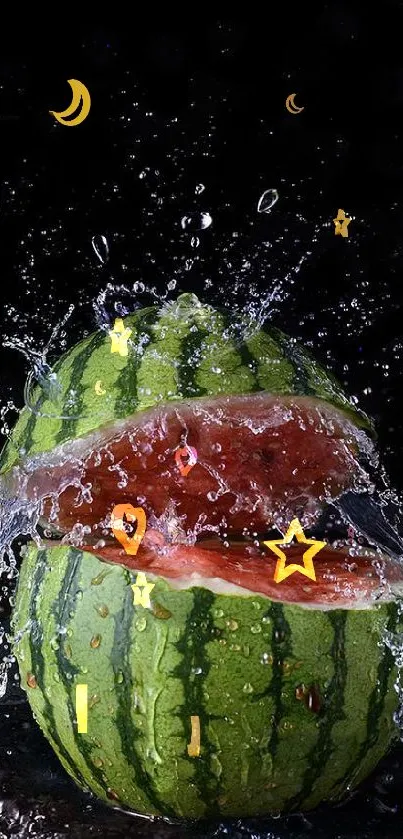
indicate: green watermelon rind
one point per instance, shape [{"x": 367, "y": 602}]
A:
[
  {"x": 235, "y": 661},
  {"x": 178, "y": 352}
]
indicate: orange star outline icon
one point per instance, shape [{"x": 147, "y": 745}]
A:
[{"x": 281, "y": 573}]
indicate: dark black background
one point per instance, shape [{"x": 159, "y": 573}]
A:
[{"x": 176, "y": 104}]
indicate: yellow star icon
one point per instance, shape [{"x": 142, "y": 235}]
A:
[
  {"x": 341, "y": 223},
  {"x": 281, "y": 572},
  {"x": 120, "y": 337},
  {"x": 142, "y": 598}
]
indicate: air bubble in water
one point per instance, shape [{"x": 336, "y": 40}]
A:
[
  {"x": 267, "y": 200},
  {"x": 196, "y": 221},
  {"x": 101, "y": 248}
]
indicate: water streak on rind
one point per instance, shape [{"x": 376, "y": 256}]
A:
[
  {"x": 195, "y": 658},
  {"x": 47, "y": 722}
]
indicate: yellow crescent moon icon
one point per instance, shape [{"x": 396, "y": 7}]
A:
[
  {"x": 290, "y": 104},
  {"x": 98, "y": 389},
  {"x": 80, "y": 93}
]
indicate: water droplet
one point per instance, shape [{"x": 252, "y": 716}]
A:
[
  {"x": 79, "y": 594},
  {"x": 255, "y": 628},
  {"x": 279, "y": 635},
  {"x": 98, "y": 762},
  {"x": 93, "y": 700},
  {"x": 267, "y": 200},
  {"x": 311, "y": 697},
  {"x": 300, "y": 691},
  {"x": 199, "y": 189},
  {"x": 196, "y": 671},
  {"x": 247, "y": 688},
  {"x": 54, "y": 644},
  {"x": 101, "y": 248},
  {"x": 68, "y": 651},
  {"x": 140, "y": 624},
  {"x": 31, "y": 681},
  {"x": 266, "y": 658},
  {"x": 56, "y": 677},
  {"x": 266, "y": 619},
  {"x": 194, "y": 242},
  {"x": 218, "y": 613},
  {"x": 96, "y": 581},
  {"x": 171, "y": 285},
  {"x": 160, "y": 611},
  {"x": 120, "y": 677},
  {"x": 103, "y": 610},
  {"x": 95, "y": 641},
  {"x": 232, "y": 625},
  {"x": 234, "y": 648},
  {"x": 196, "y": 221}
]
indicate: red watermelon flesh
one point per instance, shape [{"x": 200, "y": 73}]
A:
[
  {"x": 261, "y": 461},
  {"x": 342, "y": 581}
]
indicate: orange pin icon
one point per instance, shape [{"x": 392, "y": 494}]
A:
[
  {"x": 186, "y": 451},
  {"x": 131, "y": 544}
]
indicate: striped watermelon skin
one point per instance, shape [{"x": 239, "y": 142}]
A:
[
  {"x": 181, "y": 351},
  {"x": 236, "y": 661}
]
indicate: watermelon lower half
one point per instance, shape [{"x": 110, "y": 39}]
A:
[
  {"x": 292, "y": 683},
  {"x": 295, "y": 702}
]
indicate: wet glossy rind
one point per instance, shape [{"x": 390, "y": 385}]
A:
[
  {"x": 180, "y": 351},
  {"x": 238, "y": 662}
]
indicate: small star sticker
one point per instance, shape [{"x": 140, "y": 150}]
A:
[
  {"x": 142, "y": 598},
  {"x": 120, "y": 337},
  {"x": 281, "y": 572},
  {"x": 341, "y": 223}
]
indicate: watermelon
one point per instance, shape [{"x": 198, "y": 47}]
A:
[{"x": 293, "y": 683}]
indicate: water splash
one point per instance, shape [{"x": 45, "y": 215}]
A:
[
  {"x": 41, "y": 372},
  {"x": 101, "y": 248},
  {"x": 267, "y": 200},
  {"x": 196, "y": 221}
]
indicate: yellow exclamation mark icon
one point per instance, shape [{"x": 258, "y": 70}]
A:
[
  {"x": 81, "y": 708},
  {"x": 194, "y": 745}
]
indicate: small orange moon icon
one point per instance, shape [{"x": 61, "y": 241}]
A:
[
  {"x": 99, "y": 389},
  {"x": 290, "y": 104}
]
